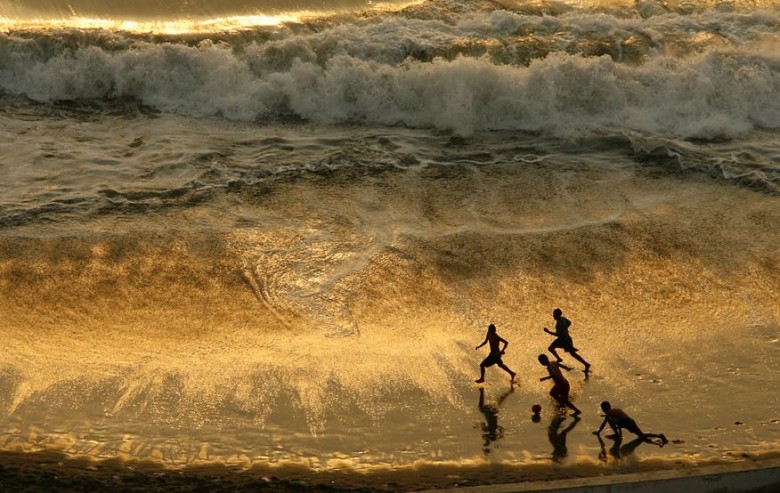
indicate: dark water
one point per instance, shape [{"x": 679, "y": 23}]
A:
[{"x": 280, "y": 244}]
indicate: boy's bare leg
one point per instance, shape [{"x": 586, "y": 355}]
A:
[
  {"x": 579, "y": 358},
  {"x": 511, "y": 373},
  {"x": 481, "y": 375},
  {"x": 554, "y": 353},
  {"x": 647, "y": 436}
]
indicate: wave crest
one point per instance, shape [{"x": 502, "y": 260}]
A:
[{"x": 712, "y": 75}]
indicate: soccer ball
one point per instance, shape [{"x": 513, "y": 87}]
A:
[{"x": 536, "y": 408}]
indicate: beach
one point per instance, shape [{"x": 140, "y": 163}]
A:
[{"x": 260, "y": 249}]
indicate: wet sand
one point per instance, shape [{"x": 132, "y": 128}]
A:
[{"x": 54, "y": 471}]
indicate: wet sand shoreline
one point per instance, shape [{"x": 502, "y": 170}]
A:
[{"x": 54, "y": 471}]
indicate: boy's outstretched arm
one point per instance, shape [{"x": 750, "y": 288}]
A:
[
  {"x": 545, "y": 378},
  {"x": 483, "y": 343},
  {"x": 550, "y": 332},
  {"x": 603, "y": 424},
  {"x": 506, "y": 343},
  {"x": 567, "y": 368}
]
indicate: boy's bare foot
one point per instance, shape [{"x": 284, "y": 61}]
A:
[{"x": 479, "y": 380}]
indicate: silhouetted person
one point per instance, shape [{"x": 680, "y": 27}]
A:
[
  {"x": 563, "y": 339},
  {"x": 558, "y": 440},
  {"x": 560, "y": 390},
  {"x": 491, "y": 430},
  {"x": 619, "y": 420},
  {"x": 494, "y": 358}
]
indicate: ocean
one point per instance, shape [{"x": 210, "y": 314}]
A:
[{"x": 270, "y": 234}]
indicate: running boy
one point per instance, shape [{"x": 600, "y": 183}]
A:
[
  {"x": 494, "y": 358},
  {"x": 560, "y": 390},
  {"x": 563, "y": 339}
]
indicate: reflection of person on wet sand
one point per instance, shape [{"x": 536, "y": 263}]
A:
[
  {"x": 563, "y": 339},
  {"x": 560, "y": 390},
  {"x": 558, "y": 439},
  {"x": 494, "y": 358},
  {"x": 491, "y": 430},
  {"x": 618, "y": 450},
  {"x": 618, "y": 420}
]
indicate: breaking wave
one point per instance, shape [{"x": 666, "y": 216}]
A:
[{"x": 707, "y": 74}]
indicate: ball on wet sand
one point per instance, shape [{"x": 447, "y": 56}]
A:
[{"x": 536, "y": 408}]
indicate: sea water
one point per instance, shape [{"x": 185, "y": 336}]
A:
[{"x": 273, "y": 233}]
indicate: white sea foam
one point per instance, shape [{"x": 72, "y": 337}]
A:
[
  {"x": 720, "y": 92},
  {"x": 644, "y": 67}
]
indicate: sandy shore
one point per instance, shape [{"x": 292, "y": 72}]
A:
[{"x": 53, "y": 471}]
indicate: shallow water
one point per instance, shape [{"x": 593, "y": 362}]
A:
[{"x": 238, "y": 269}]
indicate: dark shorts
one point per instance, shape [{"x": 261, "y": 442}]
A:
[
  {"x": 560, "y": 392},
  {"x": 630, "y": 425},
  {"x": 491, "y": 360},
  {"x": 565, "y": 344}
]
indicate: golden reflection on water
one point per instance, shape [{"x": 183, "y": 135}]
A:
[
  {"x": 243, "y": 345},
  {"x": 192, "y": 25},
  {"x": 172, "y": 27}
]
